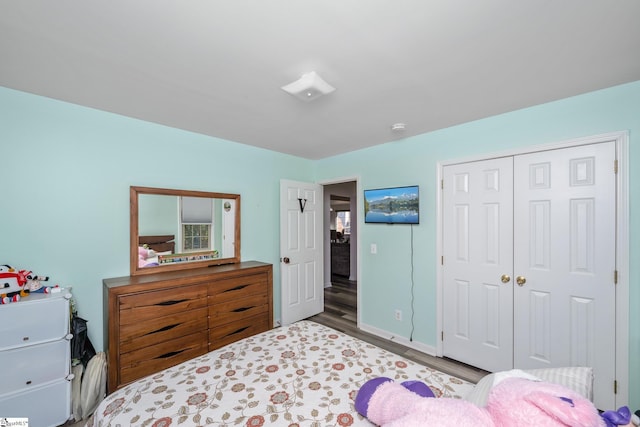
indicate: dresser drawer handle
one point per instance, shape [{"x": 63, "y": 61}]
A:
[
  {"x": 172, "y": 302},
  {"x": 237, "y": 331},
  {"x": 170, "y": 354},
  {"x": 241, "y": 309},
  {"x": 166, "y": 328},
  {"x": 237, "y": 288}
]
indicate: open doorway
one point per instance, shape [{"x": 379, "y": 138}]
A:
[
  {"x": 340, "y": 249},
  {"x": 340, "y": 237}
]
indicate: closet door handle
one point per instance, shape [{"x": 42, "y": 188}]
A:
[
  {"x": 521, "y": 280},
  {"x": 505, "y": 278}
]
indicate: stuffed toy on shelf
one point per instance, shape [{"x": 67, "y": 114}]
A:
[
  {"x": 34, "y": 284},
  {"x": 17, "y": 284},
  {"x": 514, "y": 401},
  {"x": 12, "y": 284}
]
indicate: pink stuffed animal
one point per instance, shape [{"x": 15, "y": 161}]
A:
[
  {"x": 143, "y": 255},
  {"x": 512, "y": 402}
]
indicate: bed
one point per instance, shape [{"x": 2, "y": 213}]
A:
[
  {"x": 302, "y": 374},
  {"x": 164, "y": 243},
  {"x": 149, "y": 247}
]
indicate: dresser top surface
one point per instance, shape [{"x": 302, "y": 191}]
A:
[{"x": 183, "y": 274}]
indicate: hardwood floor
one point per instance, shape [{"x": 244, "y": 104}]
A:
[{"x": 340, "y": 302}]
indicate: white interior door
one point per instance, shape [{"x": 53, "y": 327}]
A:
[
  {"x": 478, "y": 242},
  {"x": 301, "y": 267},
  {"x": 564, "y": 241}
]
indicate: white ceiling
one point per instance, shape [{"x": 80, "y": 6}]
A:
[{"x": 216, "y": 66}]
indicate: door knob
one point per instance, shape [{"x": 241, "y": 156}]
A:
[
  {"x": 505, "y": 278},
  {"x": 285, "y": 260},
  {"x": 521, "y": 280}
]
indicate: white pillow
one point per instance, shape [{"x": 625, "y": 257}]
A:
[
  {"x": 576, "y": 378},
  {"x": 478, "y": 395}
]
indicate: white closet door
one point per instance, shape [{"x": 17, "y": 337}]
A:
[
  {"x": 478, "y": 242},
  {"x": 564, "y": 241}
]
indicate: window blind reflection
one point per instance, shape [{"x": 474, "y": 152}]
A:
[{"x": 196, "y": 210}]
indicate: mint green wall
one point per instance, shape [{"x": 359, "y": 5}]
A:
[
  {"x": 160, "y": 215},
  {"x": 385, "y": 279},
  {"x": 65, "y": 174}
]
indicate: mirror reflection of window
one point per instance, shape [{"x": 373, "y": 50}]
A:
[{"x": 196, "y": 215}]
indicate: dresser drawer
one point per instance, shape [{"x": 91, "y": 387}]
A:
[
  {"x": 33, "y": 321},
  {"x": 152, "y": 305},
  {"x": 237, "y": 287},
  {"x": 148, "y": 360},
  {"x": 237, "y": 309},
  {"x": 45, "y": 406},
  {"x": 232, "y": 332},
  {"x": 138, "y": 335},
  {"x": 34, "y": 365}
]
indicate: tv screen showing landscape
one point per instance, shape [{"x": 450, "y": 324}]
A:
[{"x": 397, "y": 205}]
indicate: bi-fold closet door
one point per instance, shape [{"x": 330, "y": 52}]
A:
[{"x": 529, "y": 261}]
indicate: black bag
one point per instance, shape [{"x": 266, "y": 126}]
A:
[{"x": 81, "y": 347}]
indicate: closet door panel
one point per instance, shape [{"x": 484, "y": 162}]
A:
[
  {"x": 478, "y": 305},
  {"x": 564, "y": 245}
]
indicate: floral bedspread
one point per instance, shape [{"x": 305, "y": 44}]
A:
[{"x": 305, "y": 374}]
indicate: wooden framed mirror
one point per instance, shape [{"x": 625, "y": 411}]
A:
[{"x": 181, "y": 229}]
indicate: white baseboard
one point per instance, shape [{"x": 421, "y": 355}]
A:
[{"x": 424, "y": 348}]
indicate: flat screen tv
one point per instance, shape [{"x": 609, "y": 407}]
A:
[{"x": 397, "y": 205}]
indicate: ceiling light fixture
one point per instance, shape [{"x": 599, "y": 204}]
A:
[
  {"x": 398, "y": 127},
  {"x": 309, "y": 87}
]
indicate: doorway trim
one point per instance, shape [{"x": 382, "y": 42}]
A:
[
  {"x": 621, "y": 139},
  {"x": 359, "y": 207}
]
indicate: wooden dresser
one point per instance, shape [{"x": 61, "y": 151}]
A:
[{"x": 159, "y": 320}]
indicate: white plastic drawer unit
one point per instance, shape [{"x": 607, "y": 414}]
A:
[
  {"x": 46, "y": 406},
  {"x": 35, "y": 352},
  {"x": 35, "y": 319},
  {"x": 35, "y": 365}
]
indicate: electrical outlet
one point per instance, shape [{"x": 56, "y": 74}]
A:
[
  {"x": 399, "y": 315},
  {"x": 374, "y": 248}
]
